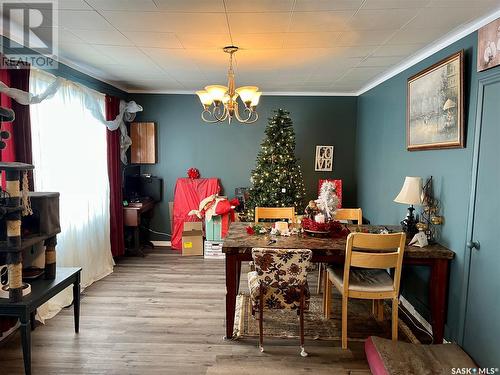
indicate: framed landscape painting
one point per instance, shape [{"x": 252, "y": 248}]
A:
[
  {"x": 434, "y": 117},
  {"x": 488, "y": 46}
]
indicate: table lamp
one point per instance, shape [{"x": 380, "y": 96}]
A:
[{"x": 411, "y": 193}]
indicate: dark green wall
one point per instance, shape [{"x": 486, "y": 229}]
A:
[
  {"x": 383, "y": 162},
  {"x": 229, "y": 151}
]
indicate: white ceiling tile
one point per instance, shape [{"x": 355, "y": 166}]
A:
[
  {"x": 176, "y": 62},
  {"x": 125, "y": 55},
  {"x": 384, "y": 61},
  {"x": 259, "y": 22},
  {"x": 130, "y": 5},
  {"x": 361, "y": 74},
  {"x": 320, "y": 21},
  {"x": 325, "y": 39},
  {"x": 107, "y": 37},
  {"x": 394, "y": 4},
  {"x": 416, "y": 36},
  {"x": 84, "y": 53},
  {"x": 258, "y": 6},
  {"x": 191, "y": 5},
  {"x": 205, "y": 40},
  {"x": 82, "y": 20},
  {"x": 152, "y": 39},
  {"x": 352, "y": 51},
  {"x": 160, "y": 85},
  {"x": 66, "y": 36},
  {"x": 322, "y": 5},
  {"x": 65, "y": 4},
  {"x": 448, "y": 19},
  {"x": 364, "y": 37},
  {"x": 450, "y": 4},
  {"x": 259, "y": 40},
  {"x": 379, "y": 19},
  {"x": 167, "y": 22},
  {"x": 397, "y": 49}
]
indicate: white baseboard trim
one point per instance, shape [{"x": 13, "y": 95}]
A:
[
  {"x": 414, "y": 313},
  {"x": 6, "y": 334},
  {"x": 162, "y": 243}
]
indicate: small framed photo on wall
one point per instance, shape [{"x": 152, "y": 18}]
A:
[{"x": 324, "y": 159}]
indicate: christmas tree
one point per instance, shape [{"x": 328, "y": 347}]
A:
[{"x": 277, "y": 179}]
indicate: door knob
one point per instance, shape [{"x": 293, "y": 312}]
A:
[{"x": 473, "y": 245}]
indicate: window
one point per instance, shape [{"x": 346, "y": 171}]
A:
[{"x": 70, "y": 156}]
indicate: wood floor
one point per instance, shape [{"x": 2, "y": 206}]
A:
[{"x": 164, "y": 314}]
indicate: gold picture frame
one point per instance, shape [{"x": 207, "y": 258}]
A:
[{"x": 435, "y": 106}]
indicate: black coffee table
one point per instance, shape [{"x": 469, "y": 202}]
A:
[{"x": 41, "y": 291}]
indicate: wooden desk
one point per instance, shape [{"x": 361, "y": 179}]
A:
[
  {"x": 132, "y": 216},
  {"x": 238, "y": 247},
  {"x": 41, "y": 291}
]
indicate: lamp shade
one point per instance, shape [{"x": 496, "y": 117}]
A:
[
  {"x": 411, "y": 192},
  {"x": 246, "y": 93},
  {"x": 217, "y": 92},
  {"x": 255, "y": 99},
  {"x": 205, "y": 97}
]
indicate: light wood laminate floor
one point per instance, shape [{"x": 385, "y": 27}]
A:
[{"x": 164, "y": 314}]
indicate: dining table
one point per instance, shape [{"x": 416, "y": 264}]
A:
[{"x": 238, "y": 244}]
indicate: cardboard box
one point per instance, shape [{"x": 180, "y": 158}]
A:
[
  {"x": 171, "y": 216},
  {"x": 192, "y": 239},
  {"x": 213, "y": 250}
]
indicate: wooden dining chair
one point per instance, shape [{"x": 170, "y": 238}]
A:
[
  {"x": 371, "y": 255},
  {"x": 349, "y": 214},
  {"x": 278, "y": 213},
  {"x": 280, "y": 282}
]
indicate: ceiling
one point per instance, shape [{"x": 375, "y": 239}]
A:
[{"x": 288, "y": 46}]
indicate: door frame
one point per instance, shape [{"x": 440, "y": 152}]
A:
[{"x": 491, "y": 78}]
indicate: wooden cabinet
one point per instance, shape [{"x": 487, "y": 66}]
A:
[{"x": 143, "y": 149}]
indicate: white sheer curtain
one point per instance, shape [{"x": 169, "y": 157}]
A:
[{"x": 69, "y": 155}]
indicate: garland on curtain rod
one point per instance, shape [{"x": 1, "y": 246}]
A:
[{"x": 126, "y": 113}]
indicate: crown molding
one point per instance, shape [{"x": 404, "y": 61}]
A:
[
  {"x": 431, "y": 49},
  {"x": 272, "y": 93}
]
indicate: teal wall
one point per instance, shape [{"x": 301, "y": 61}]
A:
[
  {"x": 229, "y": 151},
  {"x": 383, "y": 162}
]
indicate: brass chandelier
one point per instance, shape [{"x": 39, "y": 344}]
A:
[{"x": 220, "y": 102}]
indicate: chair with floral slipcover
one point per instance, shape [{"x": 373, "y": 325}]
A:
[{"x": 280, "y": 282}]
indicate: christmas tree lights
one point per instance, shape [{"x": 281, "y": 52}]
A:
[{"x": 277, "y": 178}]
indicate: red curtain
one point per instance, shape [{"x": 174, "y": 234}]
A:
[
  {"x": 9, "y": 152},
  {"x": 115, "y": 180},
  {"x": 21, "y": 129}
]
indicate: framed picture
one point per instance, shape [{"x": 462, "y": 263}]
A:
[
  {"x": 488, "y": 46},
  {"x": 434, "y": 113},
  {"x": 324, "y": 159}
]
